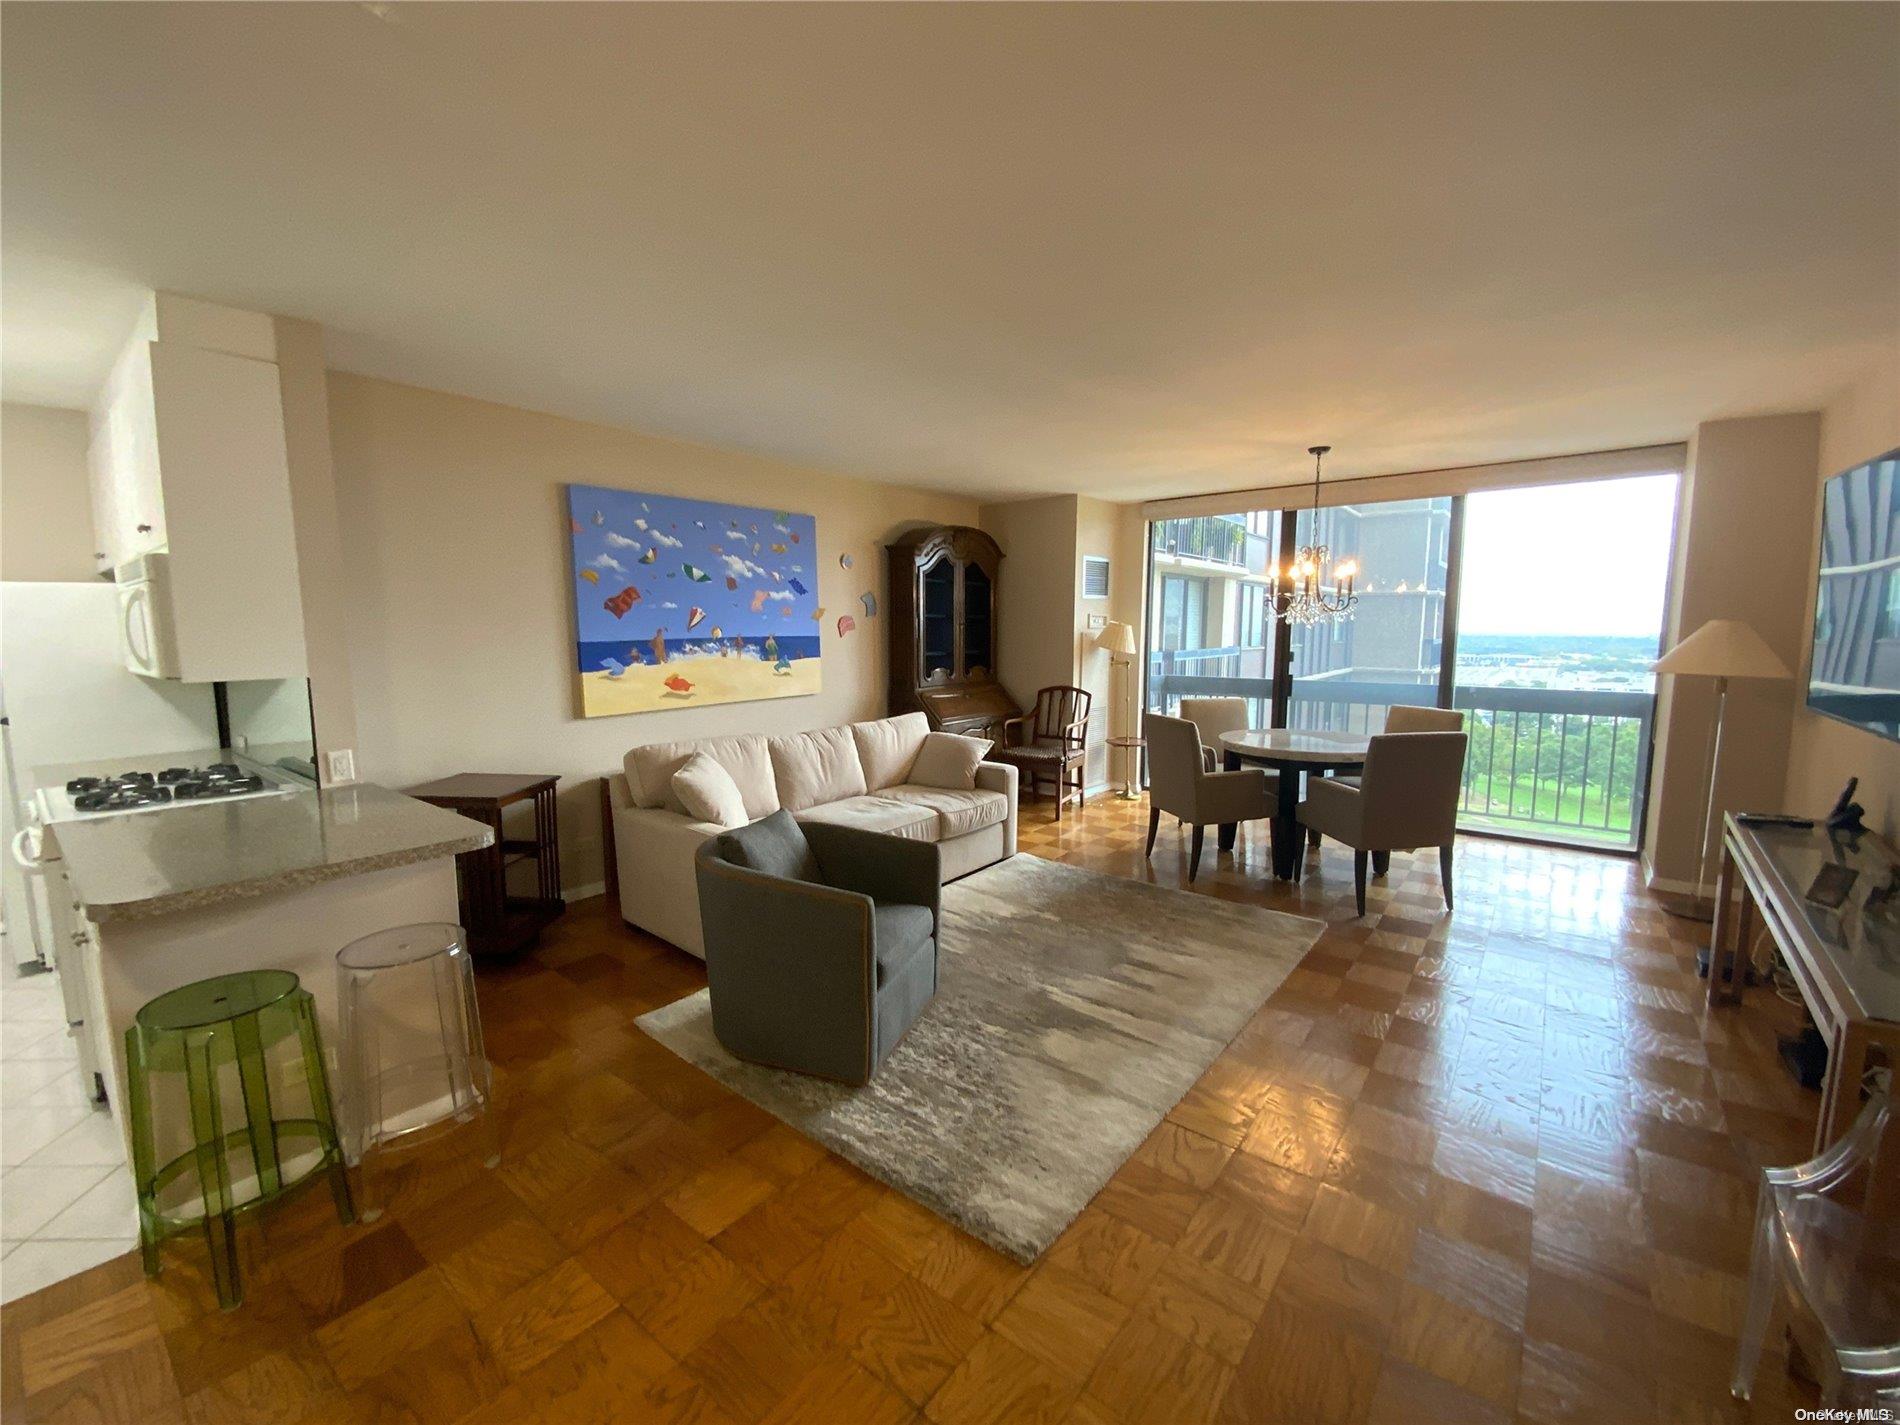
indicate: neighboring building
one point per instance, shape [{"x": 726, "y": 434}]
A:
[
  {"x": 1211, "y": 592},
  {"x": 1398, "y": 631}
]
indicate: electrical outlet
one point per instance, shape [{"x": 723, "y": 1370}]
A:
[{"x": 340, "y": 766}]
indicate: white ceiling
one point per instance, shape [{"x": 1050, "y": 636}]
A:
[{"x": 1129, "y": 250}]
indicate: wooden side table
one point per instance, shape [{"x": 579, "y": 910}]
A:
[{"x": 501, "y": 925}]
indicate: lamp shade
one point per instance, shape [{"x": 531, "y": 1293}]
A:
[
  {"x": 1722, "y": 648},
  {"x": 1116, "y": 638}
]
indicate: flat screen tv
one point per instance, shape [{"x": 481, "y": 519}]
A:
[{"x": 1855, "y": 672}]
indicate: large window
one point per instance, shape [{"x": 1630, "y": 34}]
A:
[
  {"x": 1494, "y": 603},
  {"x": 1345, "y": 674},
  {"x": 1211, "y": 631}
]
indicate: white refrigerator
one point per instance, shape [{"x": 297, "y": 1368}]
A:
[{"x": 66, "y": 695}]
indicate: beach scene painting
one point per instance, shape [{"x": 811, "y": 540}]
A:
[{"x": 686, "y": 603}]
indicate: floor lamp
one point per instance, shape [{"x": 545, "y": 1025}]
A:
[
  {"x": 1118, "y": 641},
  {"x": 1721, "y": 649}
]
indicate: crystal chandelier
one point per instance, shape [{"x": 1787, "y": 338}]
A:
[{"x": 1307, "y": 592}]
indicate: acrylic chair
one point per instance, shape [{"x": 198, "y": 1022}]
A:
[{"x": 1836, "y": 1262}]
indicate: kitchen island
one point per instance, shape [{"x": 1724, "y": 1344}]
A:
[{"x": 270, "y": 882}]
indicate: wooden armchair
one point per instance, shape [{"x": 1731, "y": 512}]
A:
[{"x": 1051, "y": 743}]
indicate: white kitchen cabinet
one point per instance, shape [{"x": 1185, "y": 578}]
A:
[
  {"x": 128, "y": 502},
  {"x": 190, "y": 445},
  {"x": 108, "y": 552}
]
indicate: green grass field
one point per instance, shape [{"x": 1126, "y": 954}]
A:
[{"x": 1586, "y": 809}]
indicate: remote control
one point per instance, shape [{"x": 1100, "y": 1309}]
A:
[{"x": 1769, "y": 818}]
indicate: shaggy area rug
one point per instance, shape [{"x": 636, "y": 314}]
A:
[{"x": 1073, "y": 1011}]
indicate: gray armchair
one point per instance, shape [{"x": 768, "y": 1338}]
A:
[
  {"x": 821, "y": 942},
  {"x": 1407, "y": 796},
  {"x": 1180, "y": 784}
]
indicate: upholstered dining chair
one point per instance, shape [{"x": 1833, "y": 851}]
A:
[
  {"x": 1180, "y": 784},
  {"x": 1405, "y": 717},
  {"x": 1050, "y": 743},
  {"x": 1211, "y": 717},
  {"x": 1407, "y": 796}
]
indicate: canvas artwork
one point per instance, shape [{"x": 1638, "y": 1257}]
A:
[{"x": 682, "y": 602}]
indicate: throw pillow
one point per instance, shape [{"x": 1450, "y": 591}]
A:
[
  {"x": 776, "y": 846},
  {"x": 948, "y": 759},
  {"x": 708, "y": 792}
]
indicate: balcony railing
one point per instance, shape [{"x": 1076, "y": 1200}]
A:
[
  {"x": 1213, "y": 539},
  {"x": 1559, "y": 764}
]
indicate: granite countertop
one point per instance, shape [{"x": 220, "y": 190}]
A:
[{"x": 189, "y": 857}]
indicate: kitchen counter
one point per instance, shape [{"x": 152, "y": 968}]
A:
[{"x": 186, "y": 858}]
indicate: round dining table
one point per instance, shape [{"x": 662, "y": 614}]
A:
[{"x": 1294, "y": 754}]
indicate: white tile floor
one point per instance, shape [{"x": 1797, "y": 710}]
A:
[{"x": 66, "y": 1201}]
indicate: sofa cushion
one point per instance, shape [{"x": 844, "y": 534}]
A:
[
  {"x": 958, "y": 812},
  {"x": 650, "y": 772},
  {"x": 902, "y": 931},
  {"x": 816, "y": 767},
  {"x": 708, "y": 792},
  {"x": 948, "y": 759},
  {"x": 878, "y": 813},
  {"x": 888, "y": 746},
  {"x": 775, "y": 846}
]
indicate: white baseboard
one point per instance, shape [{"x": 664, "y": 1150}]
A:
[
  {"x": 1668, "y": 885},
  {"x": 586, "y": 892}
]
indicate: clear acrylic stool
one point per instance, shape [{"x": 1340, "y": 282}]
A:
[{"x": 412, "y": 1047}]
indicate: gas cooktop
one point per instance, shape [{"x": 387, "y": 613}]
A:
[{"x": 156, "y": 791}]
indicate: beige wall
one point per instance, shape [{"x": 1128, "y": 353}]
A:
[
  {"x": 1046, "y": 638},
  {"x": 1861, "y": 422},
  {"x": 1746, "y": 486},
  {"x": 461, "y": 626},
  {"x": 1036, "y": 601},
  {"x": 45, "y": 494},
  {"x": 1095, "y": 534}
]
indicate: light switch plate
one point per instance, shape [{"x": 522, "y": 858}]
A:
[
  {"x": 1097, "y": 622},
  {"x": 340, "y": 766}
]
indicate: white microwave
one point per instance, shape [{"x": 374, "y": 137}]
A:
[{"x": 146, "y": 634}]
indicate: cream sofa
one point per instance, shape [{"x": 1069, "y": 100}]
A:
[{"x": 851, "y": 776}]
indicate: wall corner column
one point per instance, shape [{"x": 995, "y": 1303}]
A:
[{"x": 304, "y": 384}]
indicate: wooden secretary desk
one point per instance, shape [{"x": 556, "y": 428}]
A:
[{"x": 943, "y": 623}]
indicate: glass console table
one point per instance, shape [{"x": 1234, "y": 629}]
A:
[{"x": 1845, "y": 957}]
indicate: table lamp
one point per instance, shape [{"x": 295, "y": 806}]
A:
[
  {"x": 1721, "y": 649},
  {"x": 1118, "y": 641}
]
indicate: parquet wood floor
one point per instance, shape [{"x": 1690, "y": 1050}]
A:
[{"x": 1485, "y": 1166}]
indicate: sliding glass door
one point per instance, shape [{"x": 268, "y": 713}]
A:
[
  {"x": 1560, "y": 613},
  {"x": 1535, "y": 611}
]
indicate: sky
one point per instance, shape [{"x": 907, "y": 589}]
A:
[
  {"x": 1590, "y": 558},
  {"x": 759, "y": 551}
]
